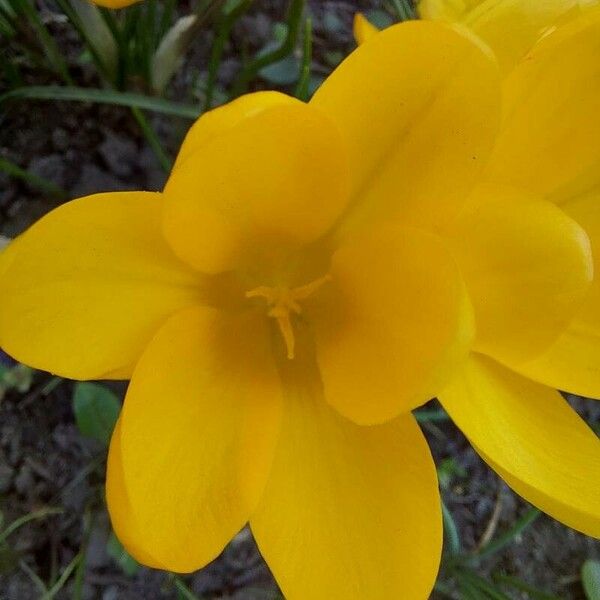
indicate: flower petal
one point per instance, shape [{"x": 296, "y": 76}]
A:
[
  {"x": 8, "y": 249},
  {"x": 532, "y": 437},
  {"x": 527, "y": 266},
  {"x": 395, "y": 325},
  {"x": 419, "y": 108},
  {"x": 550, "y": 140},
  {"x": 363, "y": 29},
  {"x": 349, "y": 511},
  {"x": 278, "y": 176},
  {"x": 89, "y": 285},
  {"x": 122, "y": 516},
  {"x": 115, "y": 3},
  {"x": 446, "y": 10},
  {"x": 220, "y": 120},
  {"x": 198, "y": 429},
  {"x": 526, "y": 21},
  {"x": 572, "y": 363}
]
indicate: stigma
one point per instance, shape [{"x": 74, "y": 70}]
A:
[{"x": 283, "y": 302}]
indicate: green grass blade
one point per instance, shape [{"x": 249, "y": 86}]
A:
[
  {"x": 165, "y": 162},
  {"x": 532, "y": 592},
  {"x": 55, "y": 57},
  {"x": 301, "y": 91},
  {"x": 38, "y": 514},
  {"x": 504, "y": 540},
  {"x": 484, "y": 586},
  {"x": 451, "y": 531},
  {"x": 76, "y": 94},
  {"x": 251, "y": 68},
  {"x": 226, "y": 22},
  {"x": 51, "y": 593},
  {"x": 34, "y": 180}
]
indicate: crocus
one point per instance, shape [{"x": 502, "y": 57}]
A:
[
  {"x": 115, "y": 3},
  {"x": 279, "y": 308},
  {"x": 528, "y": 241}
]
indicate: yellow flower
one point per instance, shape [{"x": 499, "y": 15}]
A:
[
  {"x": 280, "y": 308},
  {"x": 510, "y": 27},
  {"x": 363, "y": 29},
  {"x": 115, "y": 3},
  {"x": 525, "y": 241}
]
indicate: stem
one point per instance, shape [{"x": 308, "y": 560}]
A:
[
  {"x": 54, "y": 54},
  {"x": 251, "y": 69},
  {"x": 34, "y": 180},
  {"x": 62, "y": 579},
  {"x": 451, "y": 530},
  {"x": 525, "y": 521},
  {"x": 38, "y": 514},
  {"x": 76, "y": 22},
  {"x": 152, "y": 139},
  {"x": 301, "y": 91},
  {"x": 225, "y": 25}
]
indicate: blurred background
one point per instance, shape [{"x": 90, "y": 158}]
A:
[{"x": 93, "y": 100}]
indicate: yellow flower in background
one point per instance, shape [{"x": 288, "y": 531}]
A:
[
  {"x": 279, "y": 308},
  {"x": 510, "y": 27},
  {"x": 521, "y": 241},
  {"x": 115, "y": 3},
  {"x": 363, "y": 29}
]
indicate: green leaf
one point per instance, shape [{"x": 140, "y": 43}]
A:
[
  {"x": 516, "y": 583},
  {"x": 485, "y": 587},
  {"x": 379, "y": 18},
  {"x": 57, "y": 92},
  {"x": 34, "y": 180},
  {"x": 451, "y": 531},
  {"x": 115, "y": 550},
  {"x": 284, "y": 72},
  {"x": 449, "y": 469},
  {"x": 19, "y": 377},
  {"x": 590, "y": 578},
  {"x": 100, "y": 44},
  {"x": 171, "y": 51},
  {"x": 96, "y": 410}
]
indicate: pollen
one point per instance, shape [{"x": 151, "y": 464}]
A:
[{"x": 284, "y": 302}]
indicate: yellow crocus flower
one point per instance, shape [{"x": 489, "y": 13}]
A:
[
  {"x": 280, "y": 308},
  {"x": 510, "y": 27},
  {"x": 544, "y": 171},
  {"x": 115, "y": 3}
]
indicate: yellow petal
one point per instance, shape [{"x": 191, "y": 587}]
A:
[
  {"x": 348, "y": 511},
  {"x": 198, "y": 428},
  {"x": 527, "y": 266},
  {"x": 114, "y": 3},
  {"x": 418, "y": 107},
  {"x": 123, "y": 517},
  {"x": 276, "y": 178},
  {"x": 90, "y": 284},
  {"x": 526, "y": 21},
  {"x": 572, "y": 363},
  {"x": 7, "y": 252},
  {"x": 532, "y": 437},
  {"x": 363, "y": 29},
  {"x": 220, "y": 120},
  {"x": 446, "y": 10},
  {"x": 395, "y": 325},
  {"x": 550, "y": 138}
]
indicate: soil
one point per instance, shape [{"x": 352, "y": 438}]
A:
[{"x": 45, "y": 461}]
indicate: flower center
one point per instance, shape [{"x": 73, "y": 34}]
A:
[{"x": 283, "y": 301}]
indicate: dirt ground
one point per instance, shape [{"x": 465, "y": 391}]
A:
[{"x": 46, "y": 462}]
